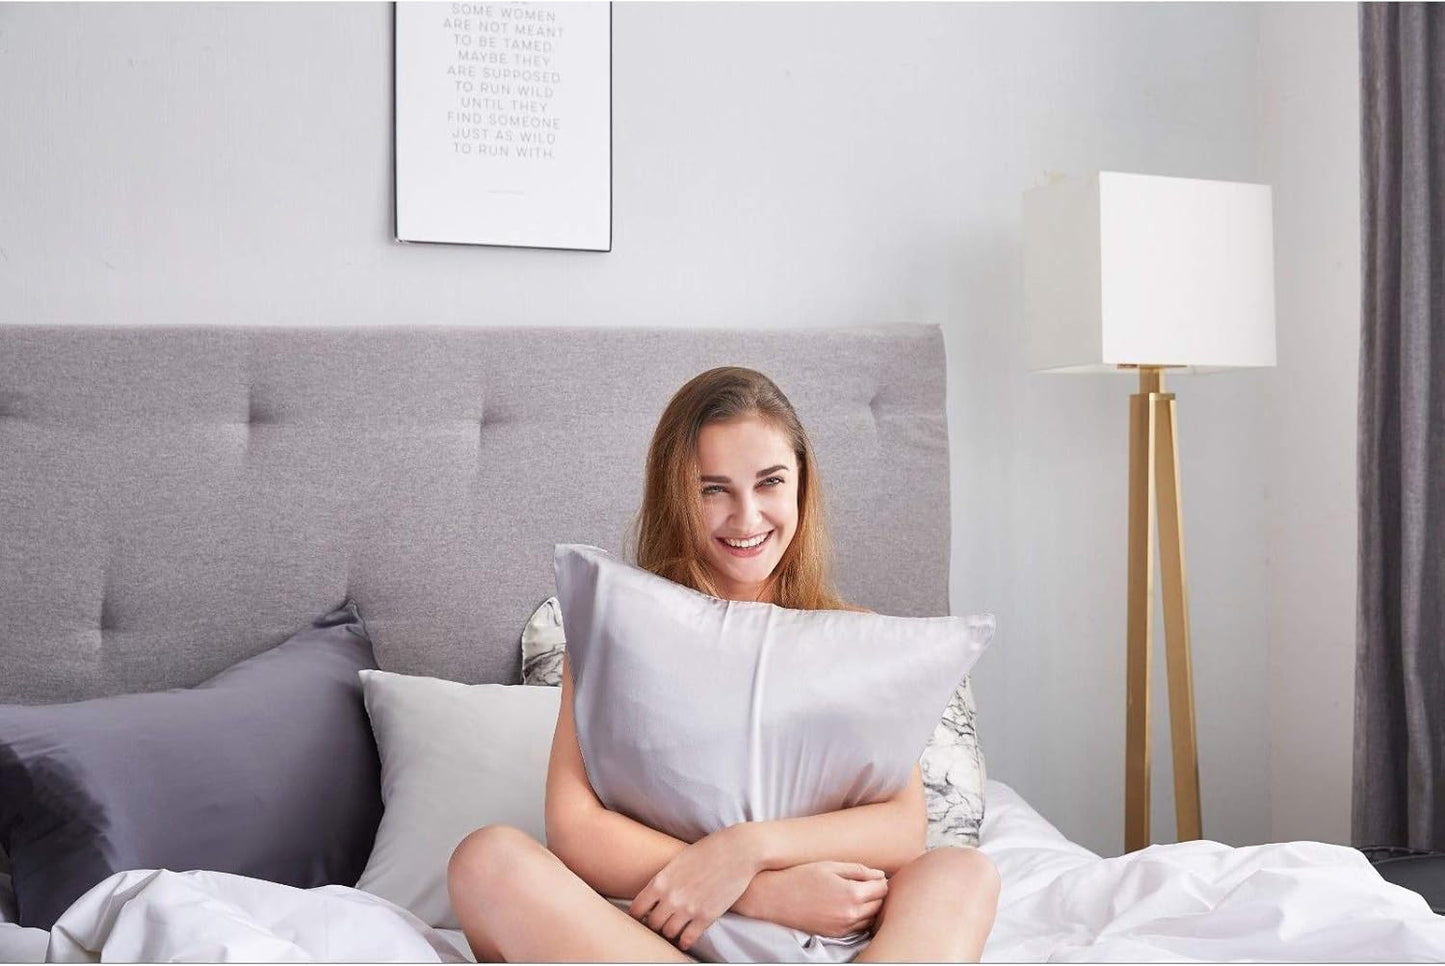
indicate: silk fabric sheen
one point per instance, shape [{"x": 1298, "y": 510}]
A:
[{"x": 694, "y": 713}]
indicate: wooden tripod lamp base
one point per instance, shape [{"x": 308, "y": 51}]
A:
[{"x": 1154, "y": 481}]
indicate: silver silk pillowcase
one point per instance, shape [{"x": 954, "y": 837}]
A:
[
  {"x": 952, "y": 761},
  {"x": 694, "y": 713}
]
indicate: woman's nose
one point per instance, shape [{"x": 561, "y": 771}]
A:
[{"x": 749, "y": 511}]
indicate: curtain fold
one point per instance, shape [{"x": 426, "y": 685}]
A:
[{"x": 1399, "y": 744}]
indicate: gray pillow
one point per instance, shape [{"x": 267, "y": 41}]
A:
[
  {"x": 268, "y": 770},
  {"x": 694, "y": 713}
]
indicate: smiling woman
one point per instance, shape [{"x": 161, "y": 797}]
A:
[
  {"x": 732, "y": 507},
  {"x": 731, "y": 437}
]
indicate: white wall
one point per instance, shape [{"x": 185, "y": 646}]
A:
[
  {"x": 775, "y": 165},
  {"x": 1310, "y": 138}
]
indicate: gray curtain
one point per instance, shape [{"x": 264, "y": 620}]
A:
[{"x": 1399, "y": 753}]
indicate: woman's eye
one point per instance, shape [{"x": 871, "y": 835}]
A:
[{"x": 718, "y": 488}]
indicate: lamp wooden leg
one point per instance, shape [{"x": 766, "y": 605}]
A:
[
  {"x": 1141, "y": 593},
  {"x": 1176, "y": 621}
]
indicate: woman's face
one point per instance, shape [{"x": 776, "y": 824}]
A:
[{"x": 749, "y": 486}]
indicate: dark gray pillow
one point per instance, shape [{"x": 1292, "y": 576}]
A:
[{"x": 269, "y": 769}]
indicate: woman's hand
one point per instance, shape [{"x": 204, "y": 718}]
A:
[
  {"x": 823, "y": 898},
  {"x": 698, "y": 885}
]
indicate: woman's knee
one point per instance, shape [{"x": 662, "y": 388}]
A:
[
  {"x": 490, "y": 854},
  {"x": 964, "y": 872}
]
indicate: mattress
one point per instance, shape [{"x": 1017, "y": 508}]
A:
[{"x": 1060, "y": 902}]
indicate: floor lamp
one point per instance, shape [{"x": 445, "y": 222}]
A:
[{"x": 1148, "y": 273}]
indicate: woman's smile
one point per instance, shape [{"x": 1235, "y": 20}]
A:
[{"x": 749, "y": 548}]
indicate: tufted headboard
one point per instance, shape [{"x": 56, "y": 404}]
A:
[{"x": 175, "y": 499}]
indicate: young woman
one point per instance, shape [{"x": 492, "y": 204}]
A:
[{"x": 732, "y": 507}]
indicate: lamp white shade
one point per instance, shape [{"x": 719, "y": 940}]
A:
[{"x": 1134, "y": 269}]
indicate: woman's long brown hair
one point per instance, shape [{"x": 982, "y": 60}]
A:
[{"x": 668, "y": 531}]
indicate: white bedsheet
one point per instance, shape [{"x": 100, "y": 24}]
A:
[{"x": 1192, "y": 901}]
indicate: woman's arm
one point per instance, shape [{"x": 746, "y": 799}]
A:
[
  {"x": 616, "y": 855},
  {"x": 884, "y": 835},
  {"x": 746, "y": 858}
]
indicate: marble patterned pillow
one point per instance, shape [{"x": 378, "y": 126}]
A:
[{"x": 952, "y": 762}]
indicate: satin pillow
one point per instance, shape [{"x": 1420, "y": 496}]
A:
[
  {"x": 694, "y": 713},
  {"x": 952, "y": 761}
]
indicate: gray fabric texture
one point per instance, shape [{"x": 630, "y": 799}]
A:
[
  {"x": 268, "y": 770},
  {"x": 695, "y": 713},
  {"x": 174, "y": 499},
  {"x": 1399, "y": 750}
]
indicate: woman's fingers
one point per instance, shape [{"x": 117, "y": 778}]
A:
[
  {"x": 857, "y": 870},
  {"x": 642, "y": 904},
  {"x": 866, "y": 915},
  {"x": 674, "y": 926},
  {"x": 689, "y": 936},
  {"x": 873, "y": 889}
]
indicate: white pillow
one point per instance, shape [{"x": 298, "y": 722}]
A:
[{"x": 454, "y": 757}]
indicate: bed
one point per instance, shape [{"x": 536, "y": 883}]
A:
[{"x": 177, "y": 499}]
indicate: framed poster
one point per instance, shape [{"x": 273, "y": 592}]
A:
[{"x": 504, "y": 123}]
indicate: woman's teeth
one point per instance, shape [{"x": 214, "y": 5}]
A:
[{"x": 745, "y": 544}]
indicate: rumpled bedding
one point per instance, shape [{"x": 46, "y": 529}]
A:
[
  {"x": 159, "y": 916},
  {"x": 1193, "y": 901},
  {"x": 1185, "y": 902}
]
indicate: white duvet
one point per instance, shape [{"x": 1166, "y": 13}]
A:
[{"x": 1192, "y": 901}]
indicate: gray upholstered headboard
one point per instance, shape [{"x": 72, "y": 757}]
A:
[{"x": 174, "y": 499}]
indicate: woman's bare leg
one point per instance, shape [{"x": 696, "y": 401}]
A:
[
  {"x": 939, "y": 908},
  {"x": 517, "y": 902}
]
